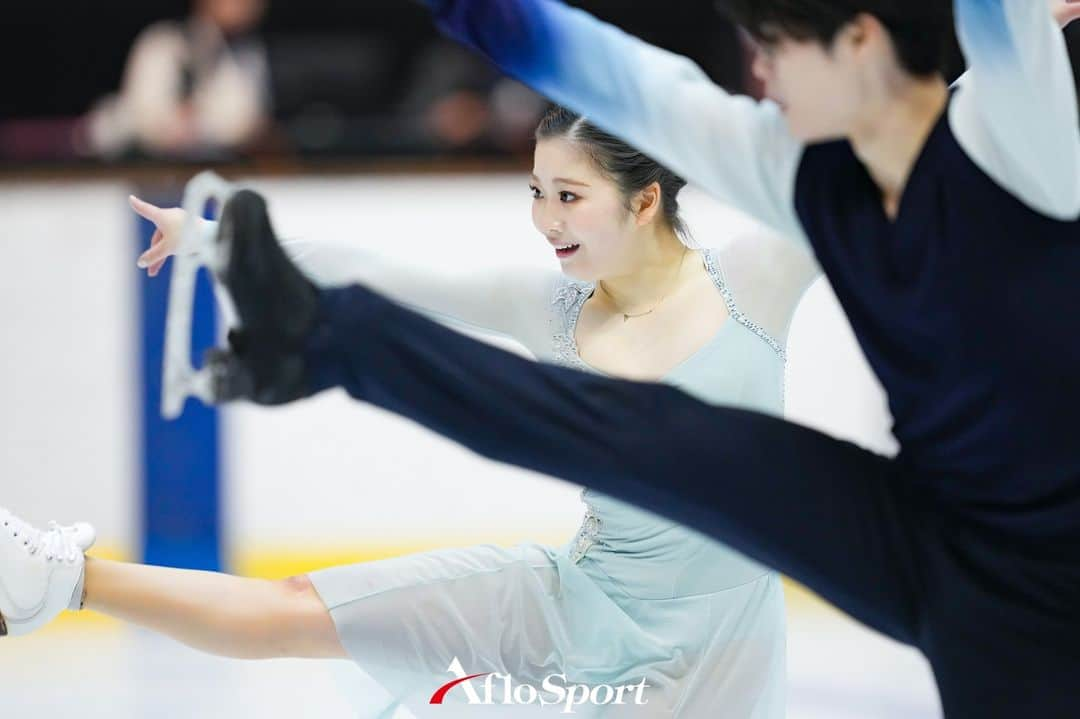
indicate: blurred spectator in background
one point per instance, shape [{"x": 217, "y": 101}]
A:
[
  {"x": 348, "y": 80},
  {"x": 460, "y": 101},
  {"x": 192, "y": 89}
]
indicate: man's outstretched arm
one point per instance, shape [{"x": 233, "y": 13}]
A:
[
  {"x": 1016, "y": 113},
  {"x": 735, "y": 148}
]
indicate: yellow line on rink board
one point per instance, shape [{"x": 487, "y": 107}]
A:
[
  {"x": 273, "y": 563},
  {"x": 287, "y": 563}
]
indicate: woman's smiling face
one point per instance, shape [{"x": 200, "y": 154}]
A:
[{"x": 582, "y": 213}]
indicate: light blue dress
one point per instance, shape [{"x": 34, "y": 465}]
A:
[{"x": 631, "y": 597}]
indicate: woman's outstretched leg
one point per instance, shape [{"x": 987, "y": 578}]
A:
[
  {"x": 217, "y": 613},
  {"x": 43, "y": 572}
]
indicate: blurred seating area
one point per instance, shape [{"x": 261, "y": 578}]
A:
[{"x": 219, "y": 81}]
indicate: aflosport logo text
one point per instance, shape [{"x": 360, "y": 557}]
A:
[{"x": 501, "y": 689}]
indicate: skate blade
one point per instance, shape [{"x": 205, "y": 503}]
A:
[{"x": 197, "y": 249}]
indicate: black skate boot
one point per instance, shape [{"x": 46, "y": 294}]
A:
[{"x": 275, "y": 304}]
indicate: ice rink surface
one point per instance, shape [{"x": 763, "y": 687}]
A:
[{"x": 99, "y": 670}]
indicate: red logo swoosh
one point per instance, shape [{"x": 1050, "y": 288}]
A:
[{"x": 437, "y": 697}]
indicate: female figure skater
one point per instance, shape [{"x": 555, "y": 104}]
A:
[
  {"x": 632, "y": 597},
  {"x": 948, "y": 222}
]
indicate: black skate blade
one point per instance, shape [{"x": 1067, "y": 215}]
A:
[{"x": 3, "y": 626}]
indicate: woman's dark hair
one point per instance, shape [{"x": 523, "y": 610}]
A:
[
  {"x": 921, "y": 30},
  {"x": 630, "y": 169}
]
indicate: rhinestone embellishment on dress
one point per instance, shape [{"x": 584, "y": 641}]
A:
[{"x": 587, "y": 535}]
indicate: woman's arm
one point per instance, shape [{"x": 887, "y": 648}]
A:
[{"x": 511, "y": 302}]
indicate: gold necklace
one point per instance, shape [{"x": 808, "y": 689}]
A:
[{"x": 626, "y": 316}]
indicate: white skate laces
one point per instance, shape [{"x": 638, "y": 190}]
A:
[
  {"x": 42, "y": 571},
  {"x": 58, "y": 543}
]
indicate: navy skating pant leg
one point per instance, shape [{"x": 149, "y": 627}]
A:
[{"x": 995, "y": 620}]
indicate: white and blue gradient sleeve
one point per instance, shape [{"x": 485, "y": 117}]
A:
[
  {"x": 738, "y": 150},
  {"x": 1016, "y": 110}
]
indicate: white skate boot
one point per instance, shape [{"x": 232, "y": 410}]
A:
[{"x": 41, "y": 572}]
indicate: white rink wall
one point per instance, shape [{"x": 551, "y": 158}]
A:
[{"x": 67, "y": 344}]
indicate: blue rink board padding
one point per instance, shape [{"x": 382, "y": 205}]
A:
[{"x": 180, "y": 459}]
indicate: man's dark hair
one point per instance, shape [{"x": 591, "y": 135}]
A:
[{"x": 921, "y": 30}]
